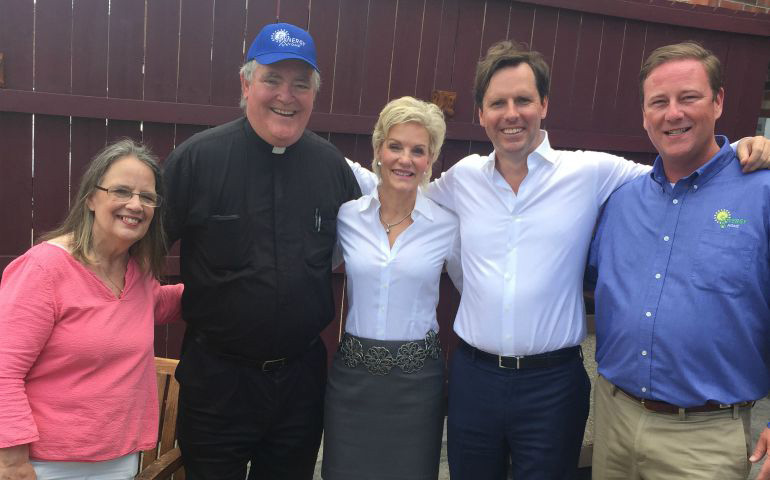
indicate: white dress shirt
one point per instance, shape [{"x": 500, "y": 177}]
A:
[
  {"x": 393, "y": 292},
  {"x": 523, "y": 255}
]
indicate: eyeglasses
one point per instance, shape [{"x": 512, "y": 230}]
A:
[{"x": 121, "y": 194}]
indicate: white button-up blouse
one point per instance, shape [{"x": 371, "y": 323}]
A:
[{"x": 393, "y": 292}]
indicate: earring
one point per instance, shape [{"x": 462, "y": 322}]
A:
[{"x": 379, "y": 163}]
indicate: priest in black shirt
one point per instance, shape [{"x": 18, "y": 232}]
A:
[{"x": 254, "y": 203}]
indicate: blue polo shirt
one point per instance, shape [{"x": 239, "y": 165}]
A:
[{"x": 683, "y": 285}]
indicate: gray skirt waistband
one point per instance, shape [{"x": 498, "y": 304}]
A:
[{"x": 381, "y": 356}]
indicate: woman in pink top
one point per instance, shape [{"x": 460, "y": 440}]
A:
[{"x": 77, "y": 377}]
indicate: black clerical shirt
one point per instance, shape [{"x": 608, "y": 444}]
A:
[{"x": 257, "y": 231}]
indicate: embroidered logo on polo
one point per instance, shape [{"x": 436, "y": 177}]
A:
[
  {"x": 725, "y": 219},
  {"x": 283, "y": 39}
]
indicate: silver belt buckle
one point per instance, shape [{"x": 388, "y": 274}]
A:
[
  {"x": 518, "y": 362},
  {"x": 267, "y": 363}
]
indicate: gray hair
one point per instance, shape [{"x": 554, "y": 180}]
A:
[
  {"x": 150, "y": 250},
  {"x": 247, "y": 72}
]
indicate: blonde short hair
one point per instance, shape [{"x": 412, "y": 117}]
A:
[{"x": 406, "y": 110}]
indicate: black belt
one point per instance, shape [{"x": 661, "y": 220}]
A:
[
  {"x": 264, "y": 365},
  {"x": 540, "y": 360}
]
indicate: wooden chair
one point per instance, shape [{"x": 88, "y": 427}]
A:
[{"x": 164, "y": 460}]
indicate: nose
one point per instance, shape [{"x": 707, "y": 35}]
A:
[
  {"x": 511, "y": 112},
  {"x": 285, "y": 92},
  {"x": 673, "y": 111},
  {"x": 134, "y": 203}
]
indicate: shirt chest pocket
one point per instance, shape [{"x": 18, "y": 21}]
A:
[
  {"x": 320, "y": 234},
  {"x": 722, "y": 261},
  {"x": 227, "y": 241}
]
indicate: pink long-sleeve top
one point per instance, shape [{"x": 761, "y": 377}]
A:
[{"x": 77, "y": 375}]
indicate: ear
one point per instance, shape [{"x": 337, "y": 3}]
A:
[
  {"x": 481, "y": 118},
  {"x": 90, "y": 202},
  {"x": 719, "y": 103},
  {"x": 545, "y": 108},
  {"x": 244, "y": 87}
]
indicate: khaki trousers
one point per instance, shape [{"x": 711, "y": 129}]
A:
[{"x": 633, "y": 443}]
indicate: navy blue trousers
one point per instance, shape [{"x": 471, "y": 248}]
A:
[{"x": 536, "y": 417}]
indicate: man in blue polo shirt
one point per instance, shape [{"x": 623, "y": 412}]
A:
[{"x": 682, "y": 270}]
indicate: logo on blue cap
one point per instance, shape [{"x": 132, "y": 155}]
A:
[
  {"x": 282, "y": 38},
  {"x": 282, "y": 41}
]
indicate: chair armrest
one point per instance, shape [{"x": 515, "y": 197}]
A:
[{"x": 163, "y": 467}]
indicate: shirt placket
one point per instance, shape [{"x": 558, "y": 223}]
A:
[
  {"x": 672, "y": 203},
  {"x": 386, "y": 269}
]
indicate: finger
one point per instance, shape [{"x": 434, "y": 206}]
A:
[{"x": 759, "y": 450}]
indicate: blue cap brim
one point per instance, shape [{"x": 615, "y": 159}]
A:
[{"x": 268, "y": 58}]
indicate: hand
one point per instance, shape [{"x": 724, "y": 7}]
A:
[
  {"x": 754, "y": 153},
  {"x": 14, "y": 464},
  {"x": 763, "y": 442}
]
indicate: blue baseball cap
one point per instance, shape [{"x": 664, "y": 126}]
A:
[{"x": 282, "y": 41}]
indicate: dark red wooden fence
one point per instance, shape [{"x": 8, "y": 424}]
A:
[{"x": 80, "y": 73}]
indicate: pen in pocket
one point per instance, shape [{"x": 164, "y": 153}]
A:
[{"x": 317, "y": 220}]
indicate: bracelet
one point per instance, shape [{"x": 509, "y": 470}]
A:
[{"x": 768, "y": 424}]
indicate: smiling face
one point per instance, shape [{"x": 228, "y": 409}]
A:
[
  {"x": 279, "y": 101},
  {"x": 119, "y": 224},
  {"x": 405, "y": 157},
  {"x": 511, "y": 112},
  {"x": 679, "y": 112}
]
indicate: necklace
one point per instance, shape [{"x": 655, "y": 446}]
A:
[
  {"x": 388, "y": 226},
  {"x": 119, "y": 290}
]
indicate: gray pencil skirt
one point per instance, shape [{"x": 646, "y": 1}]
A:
[{"x": 386, "y": 424}]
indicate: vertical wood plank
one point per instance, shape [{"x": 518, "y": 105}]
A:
[
  {"x": 467, "y": 49},
  {"x": 544, "y": 28},
  {"x": 429, "y": 44},
  {"x": 521, "y": 22},
  {"x": 743, "y": 93},
  {"x": 183, "y": 132},
  {"x": 89, "y": 47},
  {"x": 195, "y": 73},
  {"x": 346, "y": 142},
  {"x": 495, "y": 23},
  {"x": 117, "y": 129},
  {"x": 296, "y": 12},
  {"x": 377, "y": 57},
  {"x": 162, "y": 40},
  {"x": 259, "y": 14},
  {"x": 126, "y": 54},
  {"x": 406, "y": 50},
  {"x": 51, "y": 178},
  {"x": 607, "y": 74},
  {"x": 53, "y": 35},
  {"x": 16, "y": 27},
  {"x": 445, "y": 54},
  {"x": 349, "y": 63},
  {"x": 15, "y": 184},
  {"x": 584, "y": 86},
  {"x": 159, "y": 137},
  {"x": 87, "y": 136},
  {"x": 563, "y": 67},
  {"x": 323, "y": 28},
  {"x": 627, "y": 117},
  {"x": 453, "y": 152},
  {"x": 227, "y": 51}
]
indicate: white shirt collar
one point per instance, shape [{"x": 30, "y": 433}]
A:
[
  {"x": 543, "y": 152},
  {"x": 421, "y": 205}
]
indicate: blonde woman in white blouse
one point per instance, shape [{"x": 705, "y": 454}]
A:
[{"x": 384, "y": 400}]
